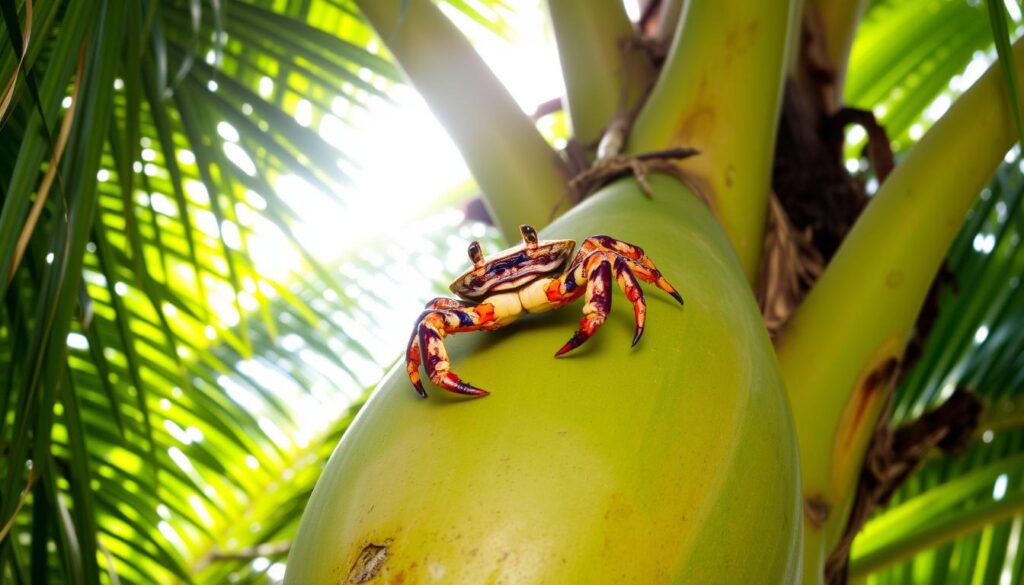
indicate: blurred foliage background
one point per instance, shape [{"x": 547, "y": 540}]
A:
[{"x": 181, "y": 345}]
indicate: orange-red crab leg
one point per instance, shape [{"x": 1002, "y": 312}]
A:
[
  {"x": 642, "y": 266},
  {"x": 631, "y": 288},
  {"x": 412, "y": 352},
  {"x": 443, "y": 317},
  {"x": 596, "y": 269}
]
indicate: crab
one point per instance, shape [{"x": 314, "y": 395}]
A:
[{"x": 532, "y": 277}]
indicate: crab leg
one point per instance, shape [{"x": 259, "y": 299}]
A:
[
  {"x": 412, "y": 362},
  {"x": 412, "y": 352},
  {"x": 426, "y": 344},
  {"x": 564, "y": 290},
  {"x": 446, "y": 303},
  {"x": 631, "y": 288},
  {"x": 597, "y": 271},
  {"x": 642, "y": 266}
]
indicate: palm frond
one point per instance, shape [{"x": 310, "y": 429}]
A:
[
  {"x": 175, "y": 364},
  {"x": 958, "y": 518}
]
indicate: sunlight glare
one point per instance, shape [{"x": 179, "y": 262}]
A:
[
  {"x": 230, "y": 234},
  {"x": 1012, "y": 9},
  {"x": 172, "y": 535},
  {"x": 529, "y": 68},
  {"x": 162, "y": 204},
  {"x": 78, "y": 341},
  {"x": 938, "y": 107},
  {"x": 253, "y": 198},
  {"x": 632, "y": 10},
  {"x": 200, "y": 509},
  {"x": 276, "y": 572},
  {"x": 1012, "y": 549},
  {"x": 274, "y": 433},
  {"x": 999, "y": 489},
  {"x": 237, "y": 155},
  {"x": 206, "y": 222},
  {"x": 197, "y": 192},
  {"x": 984, "y": 243},
  {"x": 400, "y": 162},
  {"x": 227, "y": 131},
  {"x": 304, "y": 113},
  {"x": 978, "y": 65},
  {"x": 177, "y": 432},
  {"x": 855, "y": 134},
  {"x": 260, "y": 564},
  {"x": 247, "y": 301},
  {"x": 266, "y": 86},
  {"x": 181, "y": 460},
  {"x": 241, "y": 395},
  {"x": 981, "y": 335},
  {"x": 334, "y": 131}
]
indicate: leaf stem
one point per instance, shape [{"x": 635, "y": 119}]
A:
[
  {"x": 722, "y": 45},
  {"x": 842, "y": 343},
  {"x": 606, "y": 71},
  {"x": 522, "y": 178}
]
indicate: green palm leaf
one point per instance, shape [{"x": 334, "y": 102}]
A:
[
  {"x": 157, "y": 387},
  {"x": 958, "y": 518}
]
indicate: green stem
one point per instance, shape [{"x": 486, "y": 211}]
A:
[
  {"x": 522, "y": 178},
  {"x": 606, "y": 72},
  {"x": 843, "y": 339},
  {"x": 722, "y": 45}
]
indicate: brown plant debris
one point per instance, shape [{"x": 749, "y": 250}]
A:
[
  {"x": 809, "y": 178},
  {"x": 816, "y": 510},
  {"x": 587, "y": 182},
  {"x": 926, "y": 319},
  {"x": 816, "y": 195},
  {"x": 370, "y": 561},
  {"x": 894, "y": 455},
  {"x": 789, "y": 266}
]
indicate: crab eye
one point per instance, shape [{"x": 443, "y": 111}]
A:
[
  {"x": 529, "y": 234},
  {"x": 476, "y": 254}
]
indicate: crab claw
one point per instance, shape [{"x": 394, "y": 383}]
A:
[
  {"x": 412, "y": 364},
  {"x": 639, "y": 332},
  {"x": 599, "y": 302},
  {"x": 575, "y": 341},
  {"x": 674, "y": 294},
  {"x": 419, "y": 388},
  {"x": 426, "y": 346},
  {"x": 450, "y": 382}
]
